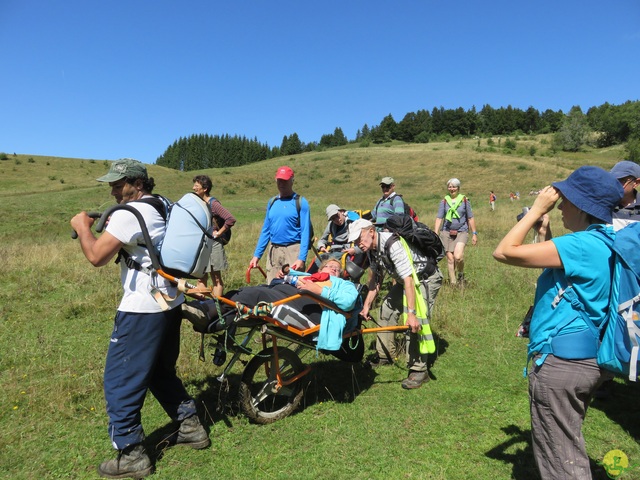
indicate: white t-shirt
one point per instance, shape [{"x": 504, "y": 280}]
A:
[
  {"x": 124, "y": 226},
  {"x": 401, "y": 267}
]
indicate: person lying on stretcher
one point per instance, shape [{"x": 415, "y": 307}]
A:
[{"x": 301, "y": 313}]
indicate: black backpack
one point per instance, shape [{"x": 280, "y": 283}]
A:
[
  {"x": 419, "y": 236},
  {"x": 408, "y": 210}
]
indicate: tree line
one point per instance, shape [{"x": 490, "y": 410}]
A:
[{"x": 601, "y": 126}]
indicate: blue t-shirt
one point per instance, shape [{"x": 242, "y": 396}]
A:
[
  {"x": 283, "y": 226},
  {"x": 588, "y": 267}
]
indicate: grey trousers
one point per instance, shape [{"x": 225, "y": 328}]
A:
[
  {"x": 559, "y": 394},
  {"x": 390, "y": 311}
]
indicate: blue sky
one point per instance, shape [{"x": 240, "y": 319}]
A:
[{"x": 114, "y": 79}]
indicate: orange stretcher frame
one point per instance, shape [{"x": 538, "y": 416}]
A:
[{"x": 203, "y": 293}]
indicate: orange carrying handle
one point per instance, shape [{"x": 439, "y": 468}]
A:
[{"x": 247, "y": 275}]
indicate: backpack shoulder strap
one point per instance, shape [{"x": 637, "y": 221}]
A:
[
  {"x": 395, "y": 237},
  {"x": 271, "y": 201},
  {"x": 390, "y": 241},
  {"x": 297, "y": 197},
  {"x": 156, "y": 203},
  {"x": 374, "y": 210}
]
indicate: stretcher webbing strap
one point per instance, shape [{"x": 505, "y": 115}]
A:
[
  {"x": 160, "y": 297},
  {"x": 182, "y": 285},
  {"x": 260, "y": 310}
]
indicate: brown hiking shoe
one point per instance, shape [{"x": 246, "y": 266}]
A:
[
  {"x": 415, "y": 380},
  {"x": 192, "y": 434},
  {"x": 132, "y": 462}
]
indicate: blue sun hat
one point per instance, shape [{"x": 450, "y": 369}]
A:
[{"x": 593, "y": 190}]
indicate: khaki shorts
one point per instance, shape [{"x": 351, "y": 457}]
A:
[
  {"x": 277, "y": 256},
  {"x": 218, "y": 259},
  {"x": 450, "y": 243}
]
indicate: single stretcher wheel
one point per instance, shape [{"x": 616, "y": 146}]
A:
[{"x": 261, "y": 399}]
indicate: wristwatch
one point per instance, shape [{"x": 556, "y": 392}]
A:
[{"x": 411, "y": 310}]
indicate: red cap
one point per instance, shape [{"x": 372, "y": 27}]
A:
[{"x": 284, "y": 173}]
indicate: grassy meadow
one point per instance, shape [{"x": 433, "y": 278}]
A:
[{"x": 470, "y": 421}]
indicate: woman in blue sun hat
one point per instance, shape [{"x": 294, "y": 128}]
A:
[{"x": 564, "y": 373}]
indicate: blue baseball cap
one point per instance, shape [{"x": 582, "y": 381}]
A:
[
  {"x": 626, "y": 168},
  {"x": 593, "y": 190}
]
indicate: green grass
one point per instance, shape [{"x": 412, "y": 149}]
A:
[{"x": 470, "y": 421}]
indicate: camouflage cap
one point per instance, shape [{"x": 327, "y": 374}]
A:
[{"x": 125, "y": 167}]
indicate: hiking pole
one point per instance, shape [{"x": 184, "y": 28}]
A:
[{"x": 317, "y": 254}]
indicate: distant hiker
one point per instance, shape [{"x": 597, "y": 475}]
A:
[
  {"x": 492, "y": 200},
  {"x": 453, "y": 221},
  {"x": 224, "y": 221},
  {"x": 287, "y": 227},
  {"x": 628, "y": 174},
  {"x": 389, "y": 204},
  {"x": 408, "y": 301},
  {"x": 145, "y": 342},
  {"x": 562, "y": 346}
]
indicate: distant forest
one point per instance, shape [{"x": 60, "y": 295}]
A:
[{"x": 601, "y": 126}]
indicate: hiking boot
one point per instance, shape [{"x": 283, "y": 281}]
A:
[
  {"x": 192, "y": 434},
  {"x": 132, "y": 462},
  {"x": 376, "y": 362},
  {"x": 415, "y": 380},
  {"x": 197, "y": 314}
]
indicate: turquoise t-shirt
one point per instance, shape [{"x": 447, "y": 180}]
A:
[{"x": 587, "y": 266}]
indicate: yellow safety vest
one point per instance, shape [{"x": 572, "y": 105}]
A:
[
  {"x": 453, "y": 206},
  {"x": 425, "y": 339}
]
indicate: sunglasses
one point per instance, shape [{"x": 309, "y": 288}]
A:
[
  {"x": 625, "y": 181},
  {"x": 333, "y": 268}
]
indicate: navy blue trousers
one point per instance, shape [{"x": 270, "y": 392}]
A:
[{"x": 142, "y": 356}]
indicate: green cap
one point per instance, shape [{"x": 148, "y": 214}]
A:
[{"x": 125, "y": 167}]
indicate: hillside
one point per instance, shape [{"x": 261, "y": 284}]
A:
[
  {"x": 470, "y": 421},
  {"x": 55, "y": 188}
]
